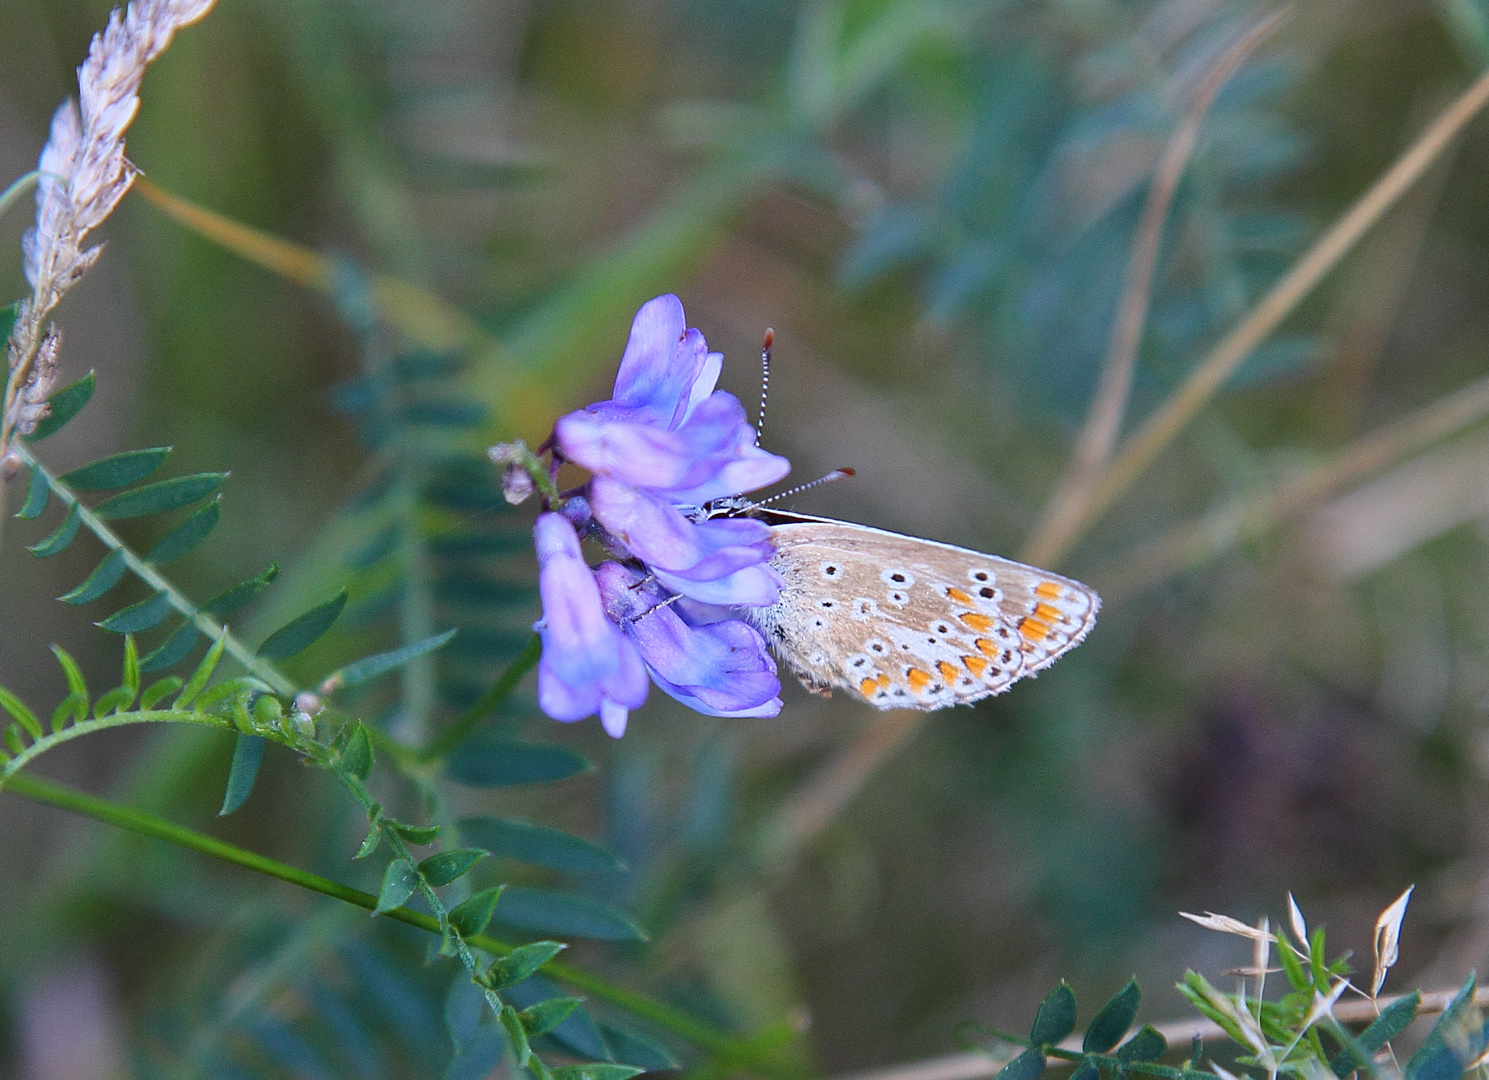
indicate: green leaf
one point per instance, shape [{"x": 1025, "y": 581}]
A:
[
  {"x": 1292, "y": 966},
  {"x": 1055, "y": 1018},
  {"x": 66, "y": 403},
  {"x": 1147, "y": 1045},
  {"x": 18, "y": 711},
  {"x": 370, "y": 842},
  {"x": 538, "y": 845},
  {"x": 160, "y": 496},
  {"x": 1391, "y": 1022},
  {"x": 372, "y": 667},
  {"x": 469, "y": 917},
  {"x": 446, "y": 866},
  {"x": 37, "y": 491},
  {"x": 414, "y": 834},
  {"x": 488, "y": 762},
  {"x": 241, "y": 594},
  {"x": 512, "y": 1022},
  {"x": 631, "y": 1047},
  {"x": 357, "y": 756},
  {"x": 595, "y": 1070},
  {"x": 61, "y": 536},
  {"x": 298, "y": 634},
  {"x": 1111, "y": 1023},
  {"x": 117, "y": 471},
  {"x": 187, "y": 535},
  {"x": 399, "y": 883},
  {"x": 70, "y": 710},
  {"x": 136, "y": 617},
  {"x": 1454, "y": 1041},
  {"x": 13, "y": 739},
  {"x": 1088, "y": 1070},
  {"x": 247, "y": 754},
  {"x": 116, "y": 700},
  {"x": 131, "y": 666},
  {"x": 543, "y": 1017},
  {"x": 104, "y": 577},
  {"x": 1027, "y": 1066},
  {"x": 520, "y": 964},
  {"x": 172, "y": 650},
  {"x": 71, "y": 672},
  {"x": 158, "y": 691},
  {"x": 547, "y": 911},
  {"x": 198, "y": 681}
]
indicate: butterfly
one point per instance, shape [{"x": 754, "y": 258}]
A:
[{"x": 901, "y": 622}]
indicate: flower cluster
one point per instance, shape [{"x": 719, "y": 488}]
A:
[{"x": 664, "y": 445}]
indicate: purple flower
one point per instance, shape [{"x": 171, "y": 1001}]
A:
[
  {"x": 667, "y": 428},
  {"x": 588, "y": 665},
  {"x": 664, "y": 445},
  {"x": 719, "y": 561},
  {"x": 716, "y": 668}
]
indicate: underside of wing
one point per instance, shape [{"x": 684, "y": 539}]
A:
[{"x": 906, "y": 623}]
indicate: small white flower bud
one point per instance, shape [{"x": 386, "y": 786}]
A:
[{"x": 308, "y": 702}]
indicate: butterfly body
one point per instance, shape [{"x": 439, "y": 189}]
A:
[{"x": 901, "y": 622}]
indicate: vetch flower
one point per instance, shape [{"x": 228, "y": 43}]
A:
[
  {"x": 718, "y": 561},
  {"x": 717, "y": 668},
  {"x": 667, "y": 429},
  {"x": 588, "y": 666},
  {"x": 667, "y": 443}
]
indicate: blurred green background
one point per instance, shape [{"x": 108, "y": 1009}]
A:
[{"x": 932, "y": 204}]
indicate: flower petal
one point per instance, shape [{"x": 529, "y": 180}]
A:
[
  {"x": 586, "y": 660},
  {"x": 720, "y": 668},
  {"x": 663, "y": 369}
]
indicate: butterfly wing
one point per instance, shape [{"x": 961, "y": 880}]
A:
[{"x": 901, "y": 622}]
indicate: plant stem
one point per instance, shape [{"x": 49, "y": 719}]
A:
[
  {"x": 664, "y": 1016},
  {"x": 1205, "y": 381}
]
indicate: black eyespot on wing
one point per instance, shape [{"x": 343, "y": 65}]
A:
[
  {"x": 987, "y": 592},
  {"x": 980, "y": 575},
  {"x": 898, "y": 579}
]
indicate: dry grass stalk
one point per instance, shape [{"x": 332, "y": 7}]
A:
[{"x": 83, "y": 174}]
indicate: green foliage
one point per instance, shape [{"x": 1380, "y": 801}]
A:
[
  {"x": 520, "y": 964},
  {"x": 469, "y": 917},
  {"x": 159, "y": 497},
  {"x": 248, "y": 753},
  {"x": 1055, "y": 1018},
  {"x": 116, "y": 471},
  {"x": 301, "y": 632},
  {"x": 65, "y": 404},
  {"x": 487, "y": 763},
  {"x": 447, "y": 866}
]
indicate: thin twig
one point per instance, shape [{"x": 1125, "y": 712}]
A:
[
  {"x": 1221, "y": 529},
  {"x": 1206, "y": 380},
  {"x": 1109, "y": 405},
  {"x": 978, "y": 1065}
]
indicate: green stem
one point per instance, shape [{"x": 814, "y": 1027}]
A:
[
  {"x": 22, "y": 185},
  {"x": 506, "y": 682},
  {"x": 664, "y": 1016},
  {"x": 10, "y": 768},
  {"x": 262, "y": 669}
]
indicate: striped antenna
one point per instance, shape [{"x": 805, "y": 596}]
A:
[
  {"x": 836, "y": 474},
  {"x": 770, "y": 339}
]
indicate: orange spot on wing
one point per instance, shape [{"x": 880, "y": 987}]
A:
[
  {"x": 1045, "y": 613},
  {"x": 883, "y": 681},
  {"x": 1049, "y": 590},
  {"x": 948, "y": 670},
  {"x": 975, "y": 664},
  {"x": 1033, "y": 629},
  {"x": 867, "y": 687},
  {"x": 956, "y": 595},
  {"x": 986, "y": 647},
  {"x": 976, "y": 621},
  {"x": 918, "y": 679}
]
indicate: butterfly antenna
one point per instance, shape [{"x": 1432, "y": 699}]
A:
[
  {"x": 770, "y": 339},
  {"x": 836, "y": 474}
]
